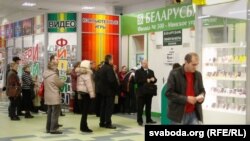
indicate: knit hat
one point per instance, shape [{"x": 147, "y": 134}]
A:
[{"x": 85, "y": 64}]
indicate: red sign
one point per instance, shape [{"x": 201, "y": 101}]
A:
[
  {"x": 98, "y": 23},
  {"x": 31, "y": 54},
  {"x": 61, "y": 42}
]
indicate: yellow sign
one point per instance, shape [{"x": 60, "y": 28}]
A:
[{"x": 199, "y": 2}]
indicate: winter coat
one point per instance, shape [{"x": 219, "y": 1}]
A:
[
  {"x": 73, "y": 79},
  {"x": 108, "y": 81},
  {"x": 52, "y": 84},
  {"x": 13, "y": 82},
  {"x": 85, "y": 82}
]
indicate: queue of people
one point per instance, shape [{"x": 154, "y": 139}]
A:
[{"x": 94, "y": 90}]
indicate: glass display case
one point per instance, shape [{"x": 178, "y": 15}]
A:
[
  {"x": 224, "y": 72},
  {"x": 224, "y": 62}
]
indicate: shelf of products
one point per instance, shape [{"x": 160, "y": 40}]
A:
[{"x": 224, "y": 72}]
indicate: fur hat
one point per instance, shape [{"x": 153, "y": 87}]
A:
[{"x": 85, "y": 64}]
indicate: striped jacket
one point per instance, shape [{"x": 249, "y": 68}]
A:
[{"x": 27, "y": 82}]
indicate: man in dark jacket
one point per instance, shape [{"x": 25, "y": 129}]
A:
[
  {"x": 108, "y": 88},
  {"x": 144, "y": 77},
  {"x": 185, "y": 92}
]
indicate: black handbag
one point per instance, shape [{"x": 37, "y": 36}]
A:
[{"x": 150, "y": 89}]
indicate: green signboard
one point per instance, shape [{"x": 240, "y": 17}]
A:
[
  {"x": 172, "y": 38},
  {"x": 62, "y": 22},
  {"x": 168, "y": 18}
]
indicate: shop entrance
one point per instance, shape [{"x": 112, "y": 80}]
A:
[{"x": 137, "y": 50}]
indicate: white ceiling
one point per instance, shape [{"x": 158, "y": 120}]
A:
[{"x": 8, "y": 7}]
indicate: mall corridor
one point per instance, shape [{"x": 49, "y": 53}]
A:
[{"x": 34, "y": 129}]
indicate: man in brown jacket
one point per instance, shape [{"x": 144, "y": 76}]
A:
[{"x": 52, "y": 97}]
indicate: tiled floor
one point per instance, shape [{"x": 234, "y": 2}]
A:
[{"x": 34, "y": 129}]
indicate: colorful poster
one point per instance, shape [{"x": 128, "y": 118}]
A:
[
  {"x": 62, "y": 22},
  {"x": 18, "y": 29},
  {"x": 62, "y": 65},
  {"x": 172, "y": 17},
  {"x": 100, "y": 37},
  {"x": 39, "y": 24},
  {"x": 27, "y": 27},
  {"x": 99, "y": 23},
  {"x": 9, "y": 31},
  {"x": 2, "y": 37}
]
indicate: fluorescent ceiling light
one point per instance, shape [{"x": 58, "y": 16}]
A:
[
  {"x": 237, "y": 12},
  {"x": 211, "y": 2},
  {"x": 29, "y": 4},
  {"x": 88, "y": 7},
  {"x": 203, "y": 17}
]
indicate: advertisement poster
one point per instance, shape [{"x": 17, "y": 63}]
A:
[
  {"x": 9, "y": 31},
  {"x": 18, "y": 28},
  {"x": 172, "y": 38},
  {"x": 38, "y": 24},
  {"x": 2, "y": 37},
  {"x": 62, "y": 22},
  {"x": 64, "y": 47},
  {"x": 63, "y": 65},
  {"x": 100, "y": 36},
  {"x": 27, "y": 27}
]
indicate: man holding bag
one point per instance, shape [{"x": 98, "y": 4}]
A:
[{"x": 145, "y": 79}]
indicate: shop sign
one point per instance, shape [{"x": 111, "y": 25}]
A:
[
  {"x": 172, "y": 38},
  {"x": 39, "y": 24},
  {"x": 27, "y": 27},
  {"x": 62, "y": 22},
  {"x": 168, "y": 18},
  {"x": 18, "y": 28},
  {"x": 99, "y": 23}
]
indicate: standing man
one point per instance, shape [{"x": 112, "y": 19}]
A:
[
  {"x": 108, "y": 89},
  {"x": 144, "y": 77},
  {"x": 52, "y": 97},
  {"x": 185, "y": 92}
]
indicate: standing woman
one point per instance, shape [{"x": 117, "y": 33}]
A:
[
  {"x": 13, "y": 90},
  {"x": 76, "y": 108},
  {"x": 27, "y": 91},
  {"x": 86, "y": 91}
]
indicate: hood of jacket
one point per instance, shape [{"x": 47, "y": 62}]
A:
[{"x": 81, "y": 70}]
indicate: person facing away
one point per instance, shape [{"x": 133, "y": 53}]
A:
[
  {"x": 86, "y": 91},
  {"x": 108, "y": 89},
  {"x": 13, "y": 82},
  {"x": 185, "y": 92},
  {"x": 144, "y": 77},
  {"x": 52, "y": 97},
  {"x": 97, "y": 90},
  {"x": 27, "y": 91}
]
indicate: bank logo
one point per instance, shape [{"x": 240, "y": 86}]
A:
[{"x": 140, "y": 19}]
